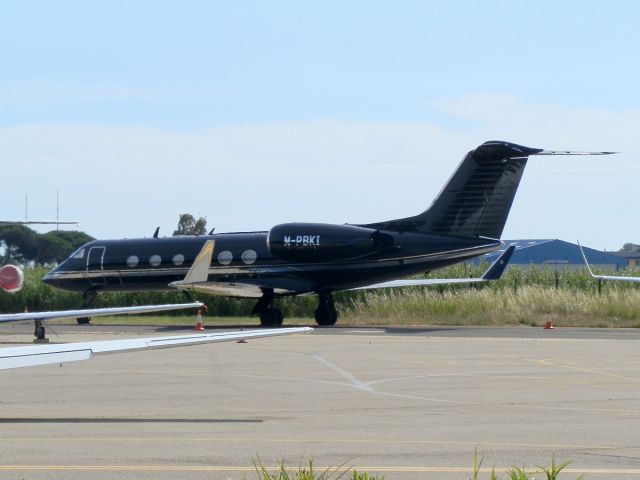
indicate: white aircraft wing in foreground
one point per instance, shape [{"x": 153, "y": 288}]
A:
[
  {"x": 94, "y": 312},
  {"x": 494, "y": 272},
  {"x": 606, "y": 277},
  {"x": 32, "y": 355}
]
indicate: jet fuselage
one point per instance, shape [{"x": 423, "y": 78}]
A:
[{"x": 246, "y": 259}]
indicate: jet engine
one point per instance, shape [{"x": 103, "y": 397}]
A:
[
  {"x": 11, "y": 278},
  {"x": 313, "y": 242}
]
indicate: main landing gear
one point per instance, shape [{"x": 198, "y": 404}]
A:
[
  {"x": 326, "y": 313},
  {"x": 88, "y": 299},
  {"x": 269, "y": 315}
]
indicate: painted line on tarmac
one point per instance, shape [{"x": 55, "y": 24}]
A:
[
  {"x": 343, "y": 373},
  {"x": 240, "y": 469},
  {"x": 203, "y": 439},
  {"x": 574, "y": 368}
]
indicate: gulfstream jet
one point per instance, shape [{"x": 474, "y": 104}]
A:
[{"x": 464, "y": 221}]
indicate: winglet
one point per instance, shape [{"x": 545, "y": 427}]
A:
[
  {"x": 199, "y": 271},
  {"x": 585, "y": 260},
  {"x": 495, "y": 271}
]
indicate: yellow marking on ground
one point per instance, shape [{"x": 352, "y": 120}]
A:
[
  {"x": 317, "y": 440},
  {"x": 362, "y": 468},
  {"x": 582, "y": 369}
]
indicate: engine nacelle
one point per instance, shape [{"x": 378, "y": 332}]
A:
[
  {"x": 11, "y": 278},
  {"x": 313, "y": 242}
]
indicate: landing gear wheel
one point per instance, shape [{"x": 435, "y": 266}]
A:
[
  {"x": 39, "y": 331},
  {"x": 88, "y": 300},
  {"x": 280, "y": 316},
  {"x": 271, "y": 317},
  {"x": 326, "y": 313},
  {"x": 325, "y": 317}
]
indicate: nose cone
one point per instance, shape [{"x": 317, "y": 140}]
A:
[{"x": 52, "y": 278}]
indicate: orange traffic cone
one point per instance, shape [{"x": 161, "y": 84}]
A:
[
  {"x": 548, "y": 325},
  {"x": 199, "y": 326}
]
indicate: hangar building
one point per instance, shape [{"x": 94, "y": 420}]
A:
[{"x": 558, "y": 255}]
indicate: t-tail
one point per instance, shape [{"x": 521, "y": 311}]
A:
[{"x": 476, "y": 200}]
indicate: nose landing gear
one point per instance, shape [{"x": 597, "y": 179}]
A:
[{"x": 88, "y": 300}]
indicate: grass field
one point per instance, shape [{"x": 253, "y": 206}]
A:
[
  {"x": 529, "y": 296},
  {"x": 529, "y": 305}
]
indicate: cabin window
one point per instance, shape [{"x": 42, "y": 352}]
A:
[
  {"x": 249, "y": 256},
  {"x": 132, "y": 261},
  {"x": 155, "y": 260},
  {"x": 225, "y": 257},
  {"x": 178, "y": 259}
]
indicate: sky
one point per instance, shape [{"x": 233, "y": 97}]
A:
[{"x": 257, "y": 113}]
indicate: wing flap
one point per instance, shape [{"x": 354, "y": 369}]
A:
[{"x": 25, "y": 359}]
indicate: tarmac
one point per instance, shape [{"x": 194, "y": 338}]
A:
[{"x": 406, "y": 403}]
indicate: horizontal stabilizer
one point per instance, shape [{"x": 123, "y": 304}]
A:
[{"x": 571, "y": 152}]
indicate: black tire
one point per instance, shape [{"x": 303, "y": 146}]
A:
[
  {"x": 39, "y": 332},
  {"x": 326, "y": 317},
  {"x": 83, "y": 320},
  {"x": 269, "y": 317},
  {"x": 280, "y": 318}
]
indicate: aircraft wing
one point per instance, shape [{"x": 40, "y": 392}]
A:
[
  {"x": 606, "y": 277},
  {"x": 95, "y": 312},
  {"x": 32, "y": 355},
  {"x": 196, "y": 278},
  {"x": 494, "y": 272},
  {"x": 232, "y": 289}
]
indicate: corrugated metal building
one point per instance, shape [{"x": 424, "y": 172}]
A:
[{"x": 558, "y": 255}]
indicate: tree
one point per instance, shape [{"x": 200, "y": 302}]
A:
[
  {"x": 22, "y": 244},
  {"x": 188, "y": 225},
  {"x": 57, "y": 245}
]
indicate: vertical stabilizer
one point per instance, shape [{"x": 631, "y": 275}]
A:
[{"x": 476, "y": 200}]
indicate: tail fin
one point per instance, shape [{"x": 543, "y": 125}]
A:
[{"x": 476, "y": 200}]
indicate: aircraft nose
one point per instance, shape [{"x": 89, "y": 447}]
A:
[{"x": 50, "y": 278}]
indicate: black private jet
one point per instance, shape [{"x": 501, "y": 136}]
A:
[{"x": 465, "y": 220}]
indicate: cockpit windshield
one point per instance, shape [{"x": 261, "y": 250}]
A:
[{"x": 79, "y": 254}]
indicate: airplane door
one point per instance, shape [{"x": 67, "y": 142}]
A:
[{"x": 95, "y": 268}]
